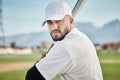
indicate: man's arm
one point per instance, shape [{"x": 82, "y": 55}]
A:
[{"x": 34, "y": 74}]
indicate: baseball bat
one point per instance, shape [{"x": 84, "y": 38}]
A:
[{"x": 78, "y": 7}]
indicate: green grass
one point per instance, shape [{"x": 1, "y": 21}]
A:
[
  {"x": 15, "y": 75},
  {"x": 111, "y": 71},
  {"x": 19, "y": 58},
  {"x": 108, "y": 54}
]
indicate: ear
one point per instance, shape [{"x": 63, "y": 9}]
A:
[{"x": 71, "y": 20}]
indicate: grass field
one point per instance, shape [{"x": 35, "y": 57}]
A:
[
  {"x": 15, "y": 75},
  {"x": 19, "y": 58},
  {"x": 108, "y": 54},
  {"x": 111, "y": 71}
]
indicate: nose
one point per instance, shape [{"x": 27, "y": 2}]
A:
[{"x": 55, "y": 26}]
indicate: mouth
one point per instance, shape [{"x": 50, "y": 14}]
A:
[
  {"x": 57, "y": 35},
  {"x": 55, "y": 31}
]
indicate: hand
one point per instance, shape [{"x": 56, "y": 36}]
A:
[{"x": 43, "y": 54}]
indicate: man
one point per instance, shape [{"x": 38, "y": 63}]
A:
[{"x": 73, "y": 56}]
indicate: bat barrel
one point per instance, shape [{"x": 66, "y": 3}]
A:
[{"x": 77, "y": 7}]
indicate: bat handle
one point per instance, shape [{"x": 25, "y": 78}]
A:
[{"x": 50, "y": 48}]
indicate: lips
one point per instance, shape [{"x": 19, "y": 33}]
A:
[{"x": 55, "y": 31}]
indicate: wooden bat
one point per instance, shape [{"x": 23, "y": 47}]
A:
[{"x": 77, "y": 7}]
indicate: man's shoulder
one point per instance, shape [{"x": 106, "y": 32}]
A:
[
  {"x": 64, "y": 43},
  {"x": 60, "y": 43}
]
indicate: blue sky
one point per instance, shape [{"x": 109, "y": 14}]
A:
[{"x": 25, "y": 16}]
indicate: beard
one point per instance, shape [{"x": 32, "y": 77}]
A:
[{"x": 55, "y": 38}]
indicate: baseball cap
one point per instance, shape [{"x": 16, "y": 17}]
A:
[{"x": 56, "y": 10}]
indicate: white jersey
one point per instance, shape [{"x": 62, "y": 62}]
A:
[{"x": 73, "y": 58}]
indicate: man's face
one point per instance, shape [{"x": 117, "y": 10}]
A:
[{"x": 59, "y": 28}]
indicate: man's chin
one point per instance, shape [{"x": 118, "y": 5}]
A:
[{"x": 58, "y": 39}]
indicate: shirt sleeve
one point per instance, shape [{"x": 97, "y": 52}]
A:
[{"x": 56, "y": 62}]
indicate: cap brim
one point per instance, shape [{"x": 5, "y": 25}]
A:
[
  {"x": 43, "y": 23},
  {"x": 53, "y": 17}
]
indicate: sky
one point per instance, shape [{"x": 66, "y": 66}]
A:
[{"x": 25, "y": 16}]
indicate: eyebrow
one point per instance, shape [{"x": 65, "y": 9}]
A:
[{"x": 48, "y": 21}]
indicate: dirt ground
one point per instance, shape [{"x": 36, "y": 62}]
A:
[
  {"x": 110, "y": 61},
  {"x": 5, "y": 67}
]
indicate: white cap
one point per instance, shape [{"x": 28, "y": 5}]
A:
[{"x": 56, "y": 10}]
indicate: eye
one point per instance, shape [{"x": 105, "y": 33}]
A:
[
  {"x": 49, "y": 22},
  {"x": 58, "y": 21}
]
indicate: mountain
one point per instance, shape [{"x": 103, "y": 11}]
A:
[
  {"x": 109, "y": 32},
  {"x": 87, "y": 28},
  {"x": 28, "y": 40}
]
